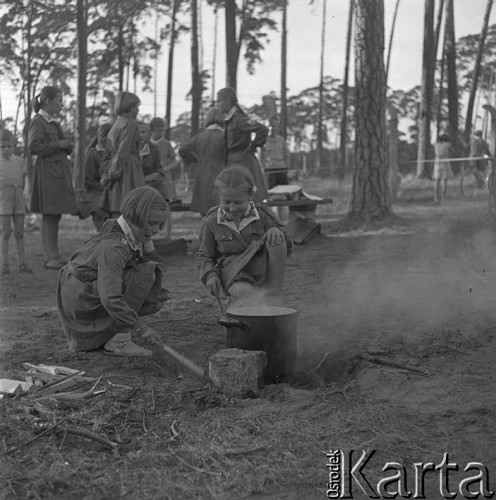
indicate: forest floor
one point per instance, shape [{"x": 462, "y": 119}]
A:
[{"x": 420, "y": 295}]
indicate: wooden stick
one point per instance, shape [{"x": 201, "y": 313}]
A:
[
  {"x": 197, "y": 469},
  {"x": 46, "y": 431},
  {"x": 91, "y": 435},
  {"x": 384, "y": 362}
]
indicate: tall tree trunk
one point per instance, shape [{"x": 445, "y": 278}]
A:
[
  {"x": 475, "y": 79},
  {"x": 195, "y": 72},
  {"x": 82, "y": 58},
  {"x": 214, "y": 55},
  {"x": 28, "y": 100},
  {"x": 343, "y": 157},
  {"x": 427, "y": 89},
  {"x": 168, "y": 104},
  {"x": 120, "y": 56},
  {"x": 391, "y": 35},
  {"x": 320, "y": 125},
  {"x": 394, "y": 179},
  {"x": 155, "y": 66},
  {"x": 232, "y": 52},
  {"x": 370, "y": 199},
  {"x": 438, "y": 26},
  {"x": 441, "y": 94},
  {"x": 283, "y": 125},
  {"x": 450, "y": 47}
]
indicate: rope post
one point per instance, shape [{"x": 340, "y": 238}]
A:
[{"x": 492, "y": 148}]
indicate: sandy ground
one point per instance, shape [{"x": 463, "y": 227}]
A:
[{"x": 421, "y": 296}]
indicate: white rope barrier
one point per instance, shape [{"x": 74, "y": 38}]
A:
[{"x": 447, "y": 160}]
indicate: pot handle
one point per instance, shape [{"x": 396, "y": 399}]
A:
[{"x": 231, "y": 322}]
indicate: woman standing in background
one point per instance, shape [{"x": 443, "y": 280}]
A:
[
  {"x": 124, "y": 169},
  {"x": 52, "y": 191},
  {"x": 206, "y": 150},
  {"x": 243, "y": 136},
  {"x": 442, "y": 167}
]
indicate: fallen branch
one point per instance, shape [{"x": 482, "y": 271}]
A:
[
  {"x": 91, "y": 435},
  {"x": 77, "y": 395},
  {"x": 46, "y": 431},
  {"x": 379, "y": 361},
  {"x": 196, "y": 469}
]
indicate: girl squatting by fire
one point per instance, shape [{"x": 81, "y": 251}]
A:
[{"x": 243, "y": 247}]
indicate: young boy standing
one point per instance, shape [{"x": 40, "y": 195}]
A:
[{"x": 12, "y": 175}]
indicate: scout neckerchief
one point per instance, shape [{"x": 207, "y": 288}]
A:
[
  {"x": 46, "y": 116},
  {"x": 230, "y": 113},
  {"x": 251, "y": 215},
  {"x": 145, "y": 150},
  {"x": 135, "y": 245},
  {"x": 215, "y": 126}
]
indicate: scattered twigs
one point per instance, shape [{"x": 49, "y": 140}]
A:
[
  {"x": 193, "y": 467},
  {"x": 42, "y": 391},
  {"x": 173, "y": 431},
  {"x": 380, "y": 361},
  {"x": 78, "y": 395},
  {"x": 42, "y": 433},
  {"x": 242, "y": 451},
  {"x": 78, "y": 431},
  {"x": 481, "y": 278}
]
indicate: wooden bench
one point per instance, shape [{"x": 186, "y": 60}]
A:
[{"x": 301, "y": 225}]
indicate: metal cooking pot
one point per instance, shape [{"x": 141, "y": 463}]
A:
[{"x": 265, "y": 328}]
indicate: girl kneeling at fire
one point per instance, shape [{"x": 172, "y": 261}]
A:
[
  {"x": 106, "y": 286},
  {"x": 243, "y": 246}
]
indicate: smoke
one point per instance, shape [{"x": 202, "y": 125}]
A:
[
  {"x": 401, "y": 293},
  {"x": 250, "y": 296}
]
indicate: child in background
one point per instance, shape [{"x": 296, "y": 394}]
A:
[
  {"x": 442, "y": 168},
  {"x": 243, "y": 247},
  {"x": 12, "y": 177},
  {"x": 124, "y": 167},
  {"x": 94, "y": 164},
  {"x": 169, "y": 162},
  {"x": 150, "y": 162}
]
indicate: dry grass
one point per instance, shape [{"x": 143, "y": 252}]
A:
[{"x": 177, "y": 438}]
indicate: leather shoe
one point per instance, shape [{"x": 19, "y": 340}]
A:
[
  {"x": 52, "y": 264},
  {"x": 121, "y": 345}
]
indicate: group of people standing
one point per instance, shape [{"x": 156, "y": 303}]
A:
[
  {"x": 108, "y": 285},
  {"x": 127, "y": 154}
]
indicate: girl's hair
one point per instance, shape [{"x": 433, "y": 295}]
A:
[
  {"x": 125, "y": 101},
  {"x": 235, "y": 177},
  {"x": 47, "y": 94},
  {"x": 138, "y": 203},
  {"x": 214, "y": 115},
  {"x": 229, "y": 93},
  {"x": 7, "y": 135},
  {"x": 102, "y": 131},
  {"x": 156, "y": 123}
]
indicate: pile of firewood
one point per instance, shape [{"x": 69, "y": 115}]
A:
[{"x": 47, "y": 380}]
